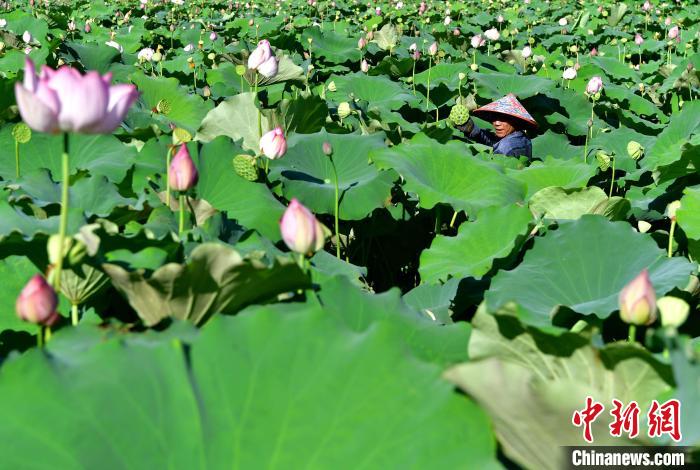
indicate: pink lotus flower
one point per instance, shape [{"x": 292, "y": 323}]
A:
[
  {"x": 65, "y": 100},
  {"x": 673, "y": 32},
  {"x": 213, "y": 36},
  {"x": 492, "y": 34},
  {"x": 422, "y": 8},
  {"x": 477, "y": 41},
  {"x": 268, "y": 68},
  {"x": 416, "y": 55},
  {"x": 594, "y": 85},
  {"x": 569, "y": 74},
  {"x": 456, "y": 32},
  {"x": 361, "y": 43},
  {"x": 527, "y": 52},
  {"x": 638, "y": 39},
  {"x": 447, "y": 21},
  {"x": 88, "y": 28},
  {"x": 364, "y": 66},
  {"x": 182, "y": 174},
  {"x": 646, "y": 6},
  {"x": 432, "y": 50},
  {"x": 301, "y": 232},
  {"x": 638, "y": 301},
  {"x": 261, "y": 54},
  {"x": 37, "y": 302},
  {"x": 273, "y": 144}
]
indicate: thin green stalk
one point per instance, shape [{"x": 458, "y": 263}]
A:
[
  {"x": 631, "y": 333},
  {"x": 259, "y": 112},
  {"x": 454, "y": 218},
  {"x": 612, "y": 178},
  {"x": 74, "y": 314},
  {"x": 40, "y": 337},
  {"x": 589, "y": 135},
  {"x": 17, "y": 158},
  {"x": 427, "y": 102},
  {"x": 579, "y": 326},
  {"x": 63, "y": 221},
  {"x": 670, "y": 238},
  {"x": 194, "y": 78},
  {"x": 167, "y": 176},
  {"x": 413, "y": 81},
  {"x": 181, "y": 227},
  {"x": 336, "y": 210}
]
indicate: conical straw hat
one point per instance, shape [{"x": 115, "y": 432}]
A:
[{"x": 508, "y": 105}]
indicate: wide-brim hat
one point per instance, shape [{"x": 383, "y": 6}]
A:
[{"x": 508, "y": 106}]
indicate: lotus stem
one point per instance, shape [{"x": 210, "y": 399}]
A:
[
  {"x": 632, "y": 333},
  {"x": 427, "y": 102},
  {"x": 579, "y": 326},
  {"x": 181, "y": 227},
  {"x": 612, "y": 177},
  {"x": 336, "y": 210},
  {"x": 454, "y": 218},
  {"x": 17, "y": 158},
  {"x": 167, "y": 176},
  {"x": 74, "y": 314},
  {"x": 670, "y": 237},
  {"x": 63, "y": 221},
  {"x": 40, "y": 337},
  {"x": 413, "y": 75},
  {"x": 259, "y": 112}
]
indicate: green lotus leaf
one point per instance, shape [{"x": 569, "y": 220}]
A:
[
  {"x": 567, "y": 204},
  {"x": 434, "y": 300},
  {"x": 335, "y": 48},
  {"x": 184, "y": 412},
  {"x": 616, "y": 70},
  {"x": 584, "y": 265},
  {"x": 443, "y": 73},
  {"x": 555, "y": 145},
  {"x": 688, "y": 215},
  {"x": 378, "y": 91},
  {"x": 496, "y": 85},
  {"x": 552, "y": 376},
  {"x": 552, "y": 172},
  {"x": 496, "y": 232},
  {"x": 303, "y": 115},
  {"x": 615, "y": 142},
  {"x": 237, "y": 118},
  {"x": 448, "y": 174},
  {"x": 307, "y": 174},
  {"x": 214, "y": 279},
  {"x": 93, "y": 56},
  {"x": 386, "y": 38},
  {"x": 669, "y": 144}
]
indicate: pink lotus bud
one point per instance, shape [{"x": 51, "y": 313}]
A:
[
  {"x": 27, "y": 37},
  {"x": 432, "y": 50},
  {"x": 673, "y": 32},
  {"x": 268, "y": 68},
  {"x": 638, "y": 39},
  {"x": 492, "y": 34},
  {"x": 37, "y": 302},
  {"x": 364, "y": 66},
  {"x": 569, "y": 73},
  {"x": 594, "y": 52},
  {"x": 213, "y": 36},
  {"x": 594, "y": 85},
  {"x": 646, "y": 6},
  {"x": 327, "y": 149},
  {"x": 477, "y": 41},
  {"x": 422, "y": 8},
  {"x": 301, "y": 232},
  {"x": 500, "y": 18},
  {"x": 638, "y": 301},
  {"x": 563, "y": 22},
  {"x": 667, "y": 21},
  {"x": 71, "y": 25},
  {"x": 261, "y": 53},
  {"x": 361, "y": 43},
  {"x": 87, "y": 28},
  {"x": 527, "y": 52},
  {"x": 377, "y": 11},
  {"x": 273, "y": 144},
  {"x": 182, "y": 173},
  {"x": 447, "y": 21},
  {"x": 416, "y": 55},
  {"x": 456, "y": 32},
  {"x": 65, "y": 100}
]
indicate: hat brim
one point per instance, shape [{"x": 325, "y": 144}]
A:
[{"x": 491, "y": 116}]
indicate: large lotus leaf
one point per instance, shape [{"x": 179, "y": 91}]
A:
[
  {"x": 687, "y": 376},
  {"x": 99, "y": 154},
  {"x": 496, "y": 85},
  {"x": 443, "y": 73},
  {"x": 669, "y": 145},
  {"x": 307, "y": 173},
  {"x": 447, "y": 174},
  {"x": 386, "y": 38},
  {"x": 251, "y": 204},
  {"x": 237, "y": 118},
  {"x": 304, "y": 115},
  {"x": 558, "y": 203},
  {"x": 584, "y": 265},
  {"x": 576, "y": 109},
  {"x": 434, "y": 300},
  {"x": 615, "y": 143},
  {"x": 629, "y": 100},
  {"x": 551, "y": 377},
  {"x": 688, "y": 215},
  {"x": 552, "y": 172},
  {"x": 13, "y": 220},
  {"x": 214, "y": 279},
  {"x": 186, "y": 110},
  {"x": 378, "y": 91},
  {"x": 496, "y": 232},
  {"x": 95, "y": 195},
  {"x": 616, "y": 70},
  {"x": 326, "y": 266},
  {"x": 427, "y": 336},
  {"x": 93, "y": 56},
  {"x": 335, "y": 48},
  {"x": 145, "y": 401},
  {"x": 555, "y": 145}
]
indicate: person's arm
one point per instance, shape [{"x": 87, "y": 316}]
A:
[{"x": 477, "y": 134}]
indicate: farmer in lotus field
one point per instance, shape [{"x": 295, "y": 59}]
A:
[{"x": 510, "y": 122}]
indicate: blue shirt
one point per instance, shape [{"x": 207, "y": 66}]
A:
[{"x": 515, "y": 144}]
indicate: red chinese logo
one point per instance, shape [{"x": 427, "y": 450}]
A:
[{"x": 662, "y": 419}]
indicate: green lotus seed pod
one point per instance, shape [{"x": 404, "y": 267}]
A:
[
  {"x": 474, "y": 67},
  {"x": 157, "y": 57},
  {"x": 77, "y": 253},
  {"x": 604, "y": 160},
  {"x": 531, "y": 41},
  {"x": 573, "y": 48},
  {"x": 635, "y": 150},
  {"x": 181, "y": 136},
  {"x": 459, "y": 115},
  {"x": 53, "y": 247},
  {"x": 344, "y": 110},
  {"x": 461, "y": 76},
  {"x": 245, "y": 167},
  {"x": 332, "y": 87},
  {"x": 240, "y": 70},
  {"x": 163, "y": 107},
  {"x": 21, "y": 133},
  {"x": 674, "y": 311}
]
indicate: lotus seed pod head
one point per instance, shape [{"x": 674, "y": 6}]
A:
[
  {"x": 157, "y": 57},
  {"x": 461, "y": 76},
  {"x": 594, "y": 86},
  {"x": 300, "y": 230},
  {"x": 432, "y": 50},
  {"x": 573, "y": 48},
  {"x": 273, "y": 144},
  {"x": 634, "y": 150},
  {"x": 332, "y": 86},
  {"x": 37, "y": 302},
  {"x": 54, "y": 250},
  {"x": 673, "y": 311},
  {"x": 672, "y": 208},
  {"x": 344, "y": 110},
  {"x": 327, "y": 149},
  {"x": 638, "y": 39},
  {"x": 569, "y": 73},
  {"x": 638, "y": 301},
  {"x": 643, "y": 226},
  {"x": 623, "y": 40},
  {"x": 527, "y": 52},
  {"x": 240, "y": 70},
  {"x": 211, "y": 56},
  {"x": 182, "y": 173},
  {"x": 474, "y": 67}
]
